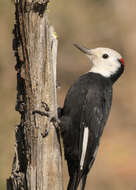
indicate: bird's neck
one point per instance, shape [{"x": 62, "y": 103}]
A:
[
  {"x": 108, "y": 72},
  {"x": 104, "y": 70}
]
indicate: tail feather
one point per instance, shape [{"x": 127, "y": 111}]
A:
[
  {"x": 83, "y": 182},
  {"x": 74, "y": 182}
]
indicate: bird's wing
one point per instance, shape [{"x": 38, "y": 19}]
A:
[
  {"x": 94, "y": 116},
  {"x": 91, "y": 126}
]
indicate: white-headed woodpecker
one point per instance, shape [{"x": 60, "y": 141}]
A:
[{"x": 85, "y": 112}]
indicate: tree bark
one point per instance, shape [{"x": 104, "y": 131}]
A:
[{"x": 37, "y": 161}]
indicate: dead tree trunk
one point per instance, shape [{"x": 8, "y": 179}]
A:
[{"x": 37, "y": 161}]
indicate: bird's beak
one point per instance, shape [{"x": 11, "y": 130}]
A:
[{"x": 83, "y": 49}]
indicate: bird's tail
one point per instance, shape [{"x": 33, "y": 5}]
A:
[
  {"x": 74, "y": 182},
  {"x": 83, "y": 182}
]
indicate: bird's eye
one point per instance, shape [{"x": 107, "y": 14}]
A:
[{"x": 105, "y": 56}]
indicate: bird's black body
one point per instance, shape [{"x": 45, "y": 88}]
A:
[{"x": 87, "y": 104}]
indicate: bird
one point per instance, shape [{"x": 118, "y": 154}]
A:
[{"x": 85, "y": 112}]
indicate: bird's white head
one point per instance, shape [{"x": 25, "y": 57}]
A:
[{"x": 106, "y": 62}]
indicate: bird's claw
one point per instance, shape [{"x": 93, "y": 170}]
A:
[{"x": 51, "y": 117}]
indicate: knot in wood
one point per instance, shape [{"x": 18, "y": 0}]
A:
[{"x": 37, "y": 7}]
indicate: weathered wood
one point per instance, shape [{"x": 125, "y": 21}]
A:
[{"x": 37, "y": 161}]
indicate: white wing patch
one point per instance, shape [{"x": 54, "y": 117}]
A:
[{"x": 84, "y": 146}]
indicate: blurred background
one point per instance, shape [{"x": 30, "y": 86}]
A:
[{"x": 92, "y": 23}]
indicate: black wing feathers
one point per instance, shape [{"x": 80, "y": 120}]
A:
[
  {"x": 93, "y": 119},
  {"x": 87, "y": 105}
]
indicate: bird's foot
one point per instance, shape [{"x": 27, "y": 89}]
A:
[{"x": 51, "y": 118}]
